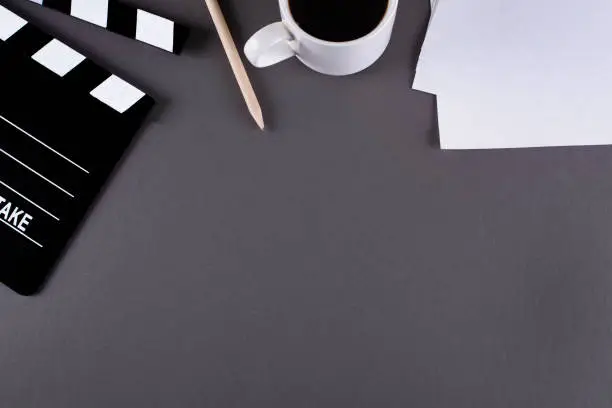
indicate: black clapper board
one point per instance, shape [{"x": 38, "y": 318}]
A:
[
  {"x": 124, "y": 19},
  {"x": 65, "y": 123}
]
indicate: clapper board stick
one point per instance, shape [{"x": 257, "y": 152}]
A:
[
  {"x": 120, "y": 18},
  {"x": 65, "y": 123}
]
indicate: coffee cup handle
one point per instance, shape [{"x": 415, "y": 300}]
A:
[{"x": 270, "y": 45}]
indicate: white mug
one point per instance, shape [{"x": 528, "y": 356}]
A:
[{"x": 282, "y": 40}]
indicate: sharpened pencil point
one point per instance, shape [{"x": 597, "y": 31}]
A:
[
  {"x": 236, "y": 62},
  {"x": 260, "y": 122},
  {"x": 255, "y": 111}
]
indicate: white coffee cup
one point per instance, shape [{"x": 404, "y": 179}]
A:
[{"x": 282, "y": 40}]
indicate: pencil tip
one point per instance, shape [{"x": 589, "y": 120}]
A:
[
  {"x": 256, "y": 113},
  {"x": 260, "y": 122}
]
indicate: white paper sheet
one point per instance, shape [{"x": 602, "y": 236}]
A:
[{"x": 513, "y": 74}]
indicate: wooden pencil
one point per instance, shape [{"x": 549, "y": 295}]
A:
[{"x": 236, "y": 62}]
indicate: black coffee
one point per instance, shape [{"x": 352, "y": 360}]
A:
[{"x": 338, "y": 20}]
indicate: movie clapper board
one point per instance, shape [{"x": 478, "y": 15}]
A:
[
  {"x": 65, "y": 122},
  {"x": 124, "y": 19}
]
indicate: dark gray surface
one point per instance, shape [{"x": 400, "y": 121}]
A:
[{"x": 339, "y": 260}]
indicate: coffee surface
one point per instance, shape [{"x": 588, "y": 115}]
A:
[{"x": 338, "y": 20}]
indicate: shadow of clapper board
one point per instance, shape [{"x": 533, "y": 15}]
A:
[{"x": 65, "y": 123}]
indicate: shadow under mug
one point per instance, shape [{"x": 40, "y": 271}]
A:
[{"x": 282, "y": 40}]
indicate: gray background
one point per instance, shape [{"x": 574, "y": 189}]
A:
[{"x": 338, "y": 260}]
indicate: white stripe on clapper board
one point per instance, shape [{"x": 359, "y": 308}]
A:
[
  {"x": 19, "y": 232},
  {"x": 29, "y": 201},
  {"x": 37, "y": 173},
  {"x": 43, "y": 144}
]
